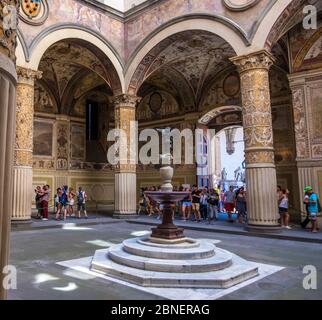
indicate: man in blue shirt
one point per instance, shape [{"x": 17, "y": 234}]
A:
[{"x": 312, "y": 202}]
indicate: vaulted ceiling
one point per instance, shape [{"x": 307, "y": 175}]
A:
[
  {"x": 71, "y": 69},
  {"x": 185, "y": 63}
]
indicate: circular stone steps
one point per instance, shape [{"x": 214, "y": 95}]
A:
[
  {"x": 217, "y": 262},
  {"x": 202, "y": 251}
]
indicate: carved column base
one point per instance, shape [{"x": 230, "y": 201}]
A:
[
  {"x": 125, "y": 195},
  {"x": 22, "y": 195},
  {"x": 261, "y": 199}
]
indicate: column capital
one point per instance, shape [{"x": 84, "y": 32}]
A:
[
  {"x": 28, "y": 76},
  {"x": 256, "y": 60},
  {"x": 126, "y": 100}
]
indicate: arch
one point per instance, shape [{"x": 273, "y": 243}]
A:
[
  {"x": 63, "y": 32},
  {"x": 220, "y": 26},
  {"x": 298, "y": 60},
  {"x": 209, "y": 115},
  {"x": 272, "y": 26}
]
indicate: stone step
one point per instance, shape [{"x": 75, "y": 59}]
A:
[
  {"x": 240, "y": 270},
  {"x": 186, "y": 243},
  {"x": 217, "y": 262},
  {"x": 204, "y": 250}
]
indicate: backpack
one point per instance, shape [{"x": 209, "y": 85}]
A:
[
  {"x": 80, "y": 197},
  {"x": 319, "y": 206},
  {"x": 64, "y": 198}
]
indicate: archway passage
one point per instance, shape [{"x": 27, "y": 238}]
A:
[
  {"x": 73, "y": 112},
  {"x": 173, "y": 79}
]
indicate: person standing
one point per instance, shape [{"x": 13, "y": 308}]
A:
[
  {"x": 196, "y": 195},
  {"x": 38, "y": 196},
  {"x": 64, "y": 201},
  {"x": 229, "y": 203},
  {"x": 71, "y": 201},
  {"x": 204, "y": 204},
  {"x": 313, "y": 207},
  {"x": 241, "y": 205},
  {"x": 307, "y": 219},
  {"x": 283, "y": 209},
  {"x": 57, "y": 202},
  {"x": 81, "y": 202},
  {"x": 213, "y": 203},
  {"x": 44, "y": 202},
  {"x": 186, "y": 206}
]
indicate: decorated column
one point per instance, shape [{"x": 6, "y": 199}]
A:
[
  {"x": 125, "y": 170},
  {"x": 23, "y": 192},
  {"x": 258, "y": 135},
  {"x": 8, "y": 78}
]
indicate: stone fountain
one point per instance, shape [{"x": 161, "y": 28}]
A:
[{"x": 167, "y": 258}]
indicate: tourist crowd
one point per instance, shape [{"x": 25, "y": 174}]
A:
[
  {"x": 201, "y": 204},
  {"x": 64, "y": 202}
]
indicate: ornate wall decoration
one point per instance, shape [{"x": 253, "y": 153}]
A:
[
  {"x": 34, "y": 12},
  {"x": 8, "y": 30},
  {"x": 231, "y": 85},
  {"x": 24, "y": 116},
  {"x": 169, "y": 106},
  {"x": 317, "y": 151},
  {"x": 62, "y": 145},
  {"x": 240, "y": 5}
]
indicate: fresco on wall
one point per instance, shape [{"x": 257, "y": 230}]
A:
[
  {"x": 69, "y": 11},
  {"x": 43, "y": 139},
  {"x": 43, "y": 101},
  {"x": 78, "y": 142}
]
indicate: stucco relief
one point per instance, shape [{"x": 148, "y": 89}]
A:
[
  {"x": 300, "y": 126},
  {"x": 62, "y": 145},
  {"x": 257, "y": 118},
  {"x": 9, "y": 23},
  {"x": 317, "y": 151}
]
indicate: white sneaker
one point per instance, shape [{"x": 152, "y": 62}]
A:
[
  {"x": 288, "y": 227},
  {"x": 44, "y": 219}
]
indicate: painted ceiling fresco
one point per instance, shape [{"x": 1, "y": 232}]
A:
[
  {"x": 70, "y": 70},
  {"x": 190, "y": 61}
]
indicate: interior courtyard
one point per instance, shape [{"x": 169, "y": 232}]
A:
[{"x": 244, "y": 76}]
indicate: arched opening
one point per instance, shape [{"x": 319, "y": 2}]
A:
[
  {"x": 177, "y": 74},
  {"x": 73, "y": 114}
]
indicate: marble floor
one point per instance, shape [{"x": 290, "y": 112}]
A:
[{"x": 46, "y": 269}]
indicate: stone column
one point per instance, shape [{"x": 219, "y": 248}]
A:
[
  {"x": 258, "y": 135},
  {"x": 23, "y": 192},
  {"x": 125, "y": 171},
  {"x": 8, "y": 80}
]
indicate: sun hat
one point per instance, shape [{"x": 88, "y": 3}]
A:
[{"x": 308, "y": 188}]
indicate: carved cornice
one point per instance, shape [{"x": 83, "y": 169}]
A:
[
  {"x": 126, "y": 100},
  {"x": 8, "y": 27},
  {"x": 257, "y": 60},
  {"x": 28, "y": 76}
]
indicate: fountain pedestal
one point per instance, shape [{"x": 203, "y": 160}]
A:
[{"x": 167, "y": 230}]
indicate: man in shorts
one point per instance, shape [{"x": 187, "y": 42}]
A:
[
  {"x": 196, "y": 196},
  {"x": 81, "y": 202},
  {"x": 229, "y": 203},
  {"x": 313, "y": 209}
]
